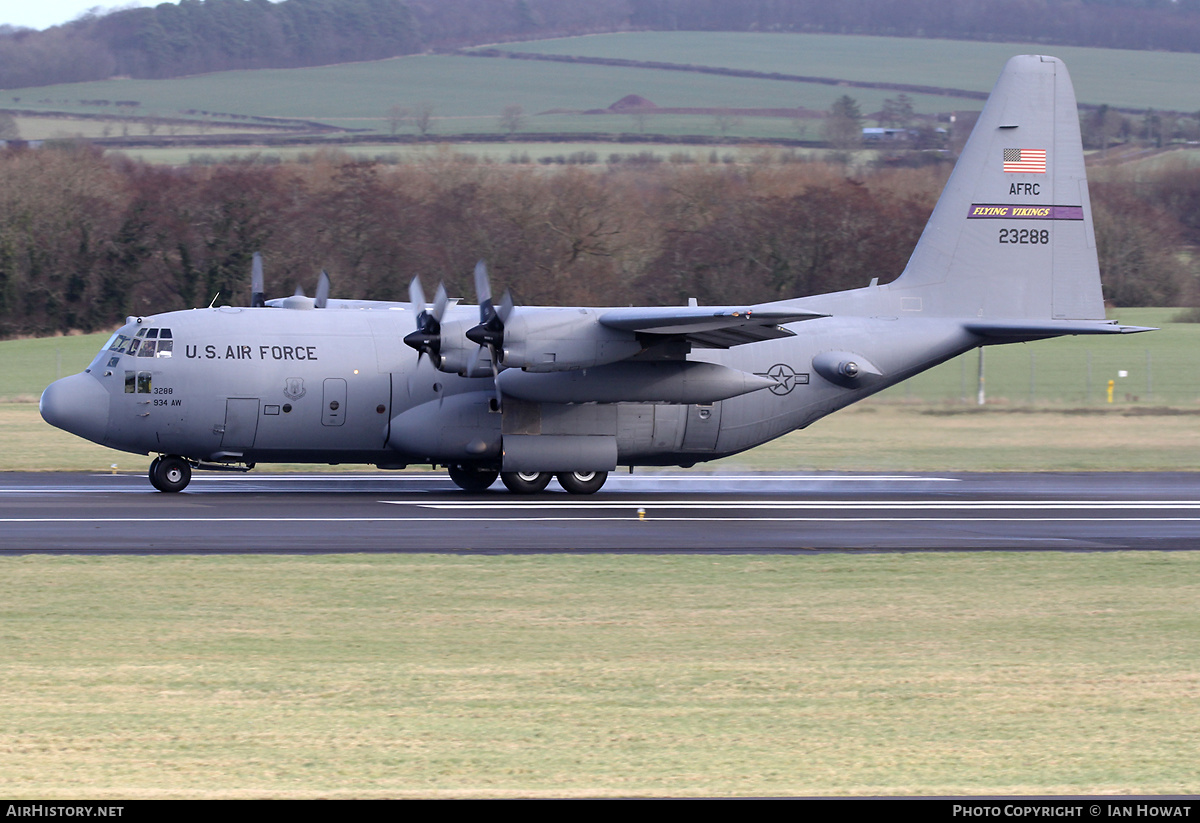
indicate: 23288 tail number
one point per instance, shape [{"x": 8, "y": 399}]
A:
[{"x": 1028, "y": 236}]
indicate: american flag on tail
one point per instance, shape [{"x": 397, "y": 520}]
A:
[{"x": 1025, "y": 161}]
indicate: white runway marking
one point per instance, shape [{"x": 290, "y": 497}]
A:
[
  {"x": 661, "y": 505},
  {"x": 650, "y": 518}
]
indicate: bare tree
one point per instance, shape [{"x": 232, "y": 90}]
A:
[
  {"x": 422, "y": 117},
  {"x": 726, "y": 122},
  {"x": 641, "y": 119},
  {"x": 512, "y": 118},
  {"x": 397, "y": 117}
]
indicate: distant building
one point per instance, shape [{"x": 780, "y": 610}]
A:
[{"x": 885, "y": 135}]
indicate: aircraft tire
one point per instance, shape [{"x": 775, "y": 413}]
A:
[
  {"x": 472, "y": 478},
  {"x": 582, "y": 482},
  {"x": 525, "y": 482},
  {"x": 170, "y": 474}
]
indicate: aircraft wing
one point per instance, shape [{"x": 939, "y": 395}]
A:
[{"x": 711, "y": 327}]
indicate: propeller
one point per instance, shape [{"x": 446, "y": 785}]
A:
[
  {"x": 318, "y": 302},
  {"x": 258, "y": 297},
  {"x": 322, "y": 291},
  {"x": 490, "y": 331},
  {"x": 427, "y": 339}
]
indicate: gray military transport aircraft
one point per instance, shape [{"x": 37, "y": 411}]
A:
[{"x": 530, "y": 393}]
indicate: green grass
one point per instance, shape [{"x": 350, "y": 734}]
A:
[
  {"x": 1137, "y": 79},
  {"x": 32, "y": 364},
  {"x": 400, "y": 676}
]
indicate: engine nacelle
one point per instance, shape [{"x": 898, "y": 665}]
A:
[
  {"x": 458, "y": 355},
  {"x": 554, "y": 339}
]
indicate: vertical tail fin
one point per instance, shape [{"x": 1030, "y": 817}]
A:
[{"x": 1011, "y": 236}]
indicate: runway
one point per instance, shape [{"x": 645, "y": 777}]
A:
[{"x": 644, "y": 512}]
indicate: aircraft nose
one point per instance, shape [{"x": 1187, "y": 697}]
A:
[{"x": 78, "y": 404}]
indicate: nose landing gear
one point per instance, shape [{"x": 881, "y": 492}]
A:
[{"x": 170, "y": 473}]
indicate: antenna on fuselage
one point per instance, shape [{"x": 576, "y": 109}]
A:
[{"x": 214, "y": 300}]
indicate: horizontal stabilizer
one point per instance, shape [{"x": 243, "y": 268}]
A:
[
  {"x": 1035, "y": 330},
  {"x": 717, "y": 327}
]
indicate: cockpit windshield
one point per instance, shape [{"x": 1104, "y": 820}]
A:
[{"x": 156, "y": 342}]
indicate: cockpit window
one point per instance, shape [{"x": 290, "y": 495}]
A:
[{"x": 146, "y": 343}]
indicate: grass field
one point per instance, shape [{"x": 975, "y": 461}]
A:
[
  {"x": 70, "y": 128},
  {"x": 468, "y": 94},
  {"x": 395, "y": 676},
  {"x": 515, "y": 151},
  {"x": 1137, "y": 79}
]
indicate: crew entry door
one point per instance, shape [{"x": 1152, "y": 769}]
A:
[{"x": 241, "y": 424}]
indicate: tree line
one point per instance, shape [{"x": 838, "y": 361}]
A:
[
  {"x": 216, "y": 35},
  {"x": 87, "y": 239}
]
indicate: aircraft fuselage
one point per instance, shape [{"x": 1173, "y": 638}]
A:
[{"x": 243, "y": 385}]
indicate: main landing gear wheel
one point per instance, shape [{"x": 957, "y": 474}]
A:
[
  {"x": 525, "y": 482},
  {"x": 582, "y": 482},
  {"x": 170, "y": 473},
  {"x": 472, "y": 478}
]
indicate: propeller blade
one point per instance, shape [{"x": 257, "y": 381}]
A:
[
  {"x": 258, "y": 297},
  {"x": 496, "y": 382},
  {"x": 440, "y": 302},
  {"x": 490, "y": 331},
  {"x": 416, "y": 294},
  {"x": 483, "y": 289},
  {"x": 322, "y": 290},
  {"x": 506, "y": 306}
]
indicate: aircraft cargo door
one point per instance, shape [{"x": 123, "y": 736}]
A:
[{"x": 241, "y": 424}]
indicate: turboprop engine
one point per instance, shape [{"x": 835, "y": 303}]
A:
[{"x": 554, "y": 339}]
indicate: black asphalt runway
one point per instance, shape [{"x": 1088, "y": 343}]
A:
[{"x": 644, "y": 512}]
